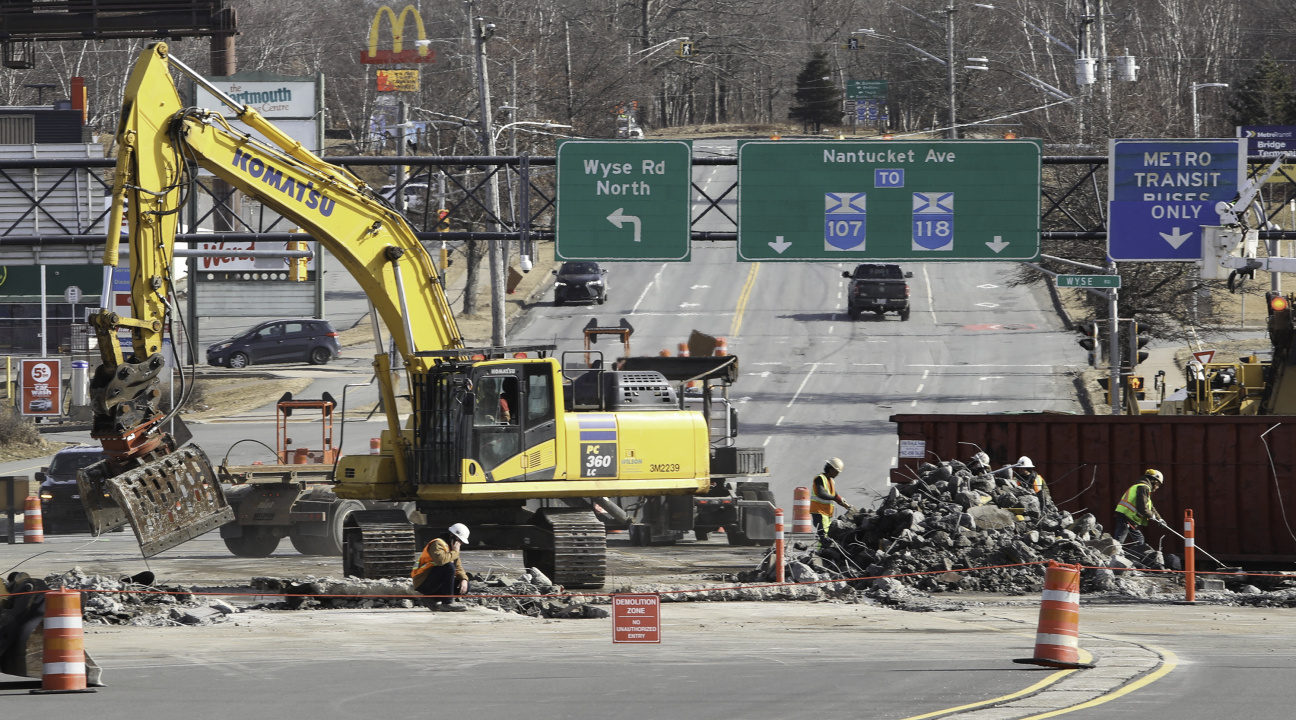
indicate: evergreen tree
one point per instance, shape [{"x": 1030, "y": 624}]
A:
[
  {"x": 816, "y": 100},
  {"x": 1265, "y": 97}
]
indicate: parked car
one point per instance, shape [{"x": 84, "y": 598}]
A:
[
  {"x": 580, "y": 282},
  {"x": 61, "y": 508},
  {"x": 879, "y": 289},
  {"x": 278, "y": 341}
]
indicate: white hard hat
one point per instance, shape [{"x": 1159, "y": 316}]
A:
[
  {"x": 981, "y": 458},
  {"x": 836, "y": 464},
  {"x": 460, "y": 531},
  {"x": 1025, "y": 462}
]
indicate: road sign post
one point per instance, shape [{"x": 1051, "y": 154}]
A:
[
  {"x": 1160, "y": 193},
  {"x": 624, "y": 200},
  {"x": 889, "y": 200},
  {"x": 1088, "y": 281}
]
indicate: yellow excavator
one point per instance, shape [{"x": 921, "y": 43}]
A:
[
  {"x": 1247, "y": 386},
  {"x": 510, "y": 441}
]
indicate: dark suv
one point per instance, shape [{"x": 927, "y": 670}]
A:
[
  {"x": 580, "y": 282},
  {"x": 278, "y": 341},
  {"x": 879, "y": 289},
  {"x": 61, "y": 508}
]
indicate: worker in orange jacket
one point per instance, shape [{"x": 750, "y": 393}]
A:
[{"x": 439, "y": 574}]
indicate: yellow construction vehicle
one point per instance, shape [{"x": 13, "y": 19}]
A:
[
  {"x": 1249, "y": 385},
  {"x": 506, "y": 440}
]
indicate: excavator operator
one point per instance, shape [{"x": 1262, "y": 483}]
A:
[{"x": 1135, "y": 508}]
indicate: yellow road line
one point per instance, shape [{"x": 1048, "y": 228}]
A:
[
  {"x": 742, "y": 301},
  {"x": 1171, "y": 662},
  {"x": 1084, "y": 657}
]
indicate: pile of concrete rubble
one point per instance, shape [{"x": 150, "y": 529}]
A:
[
  {"x": 531, "y": 594},
  {"x": 138, "y": 600},
  {"x": 949, "y": 519}
]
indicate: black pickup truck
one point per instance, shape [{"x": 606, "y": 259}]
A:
[{"x": 879, "y": 289}]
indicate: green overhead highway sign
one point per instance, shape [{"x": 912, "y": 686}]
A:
[
  {"x": 624, "y": 200},
  {"x": 1088, "y": 281},
  {"x": 889, "y": 200}
]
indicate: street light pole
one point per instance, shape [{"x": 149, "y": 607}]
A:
[
  {"x": 1196, "y": 120},
  {"x": 949, "y": 67},
  {"x": 481, "y": 32}
]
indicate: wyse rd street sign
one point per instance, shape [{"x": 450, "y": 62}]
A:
[
  {"x": 1089, "y": 281},
  {"x": 623, "y": 200},
  {"x": 889, "y": 200}
]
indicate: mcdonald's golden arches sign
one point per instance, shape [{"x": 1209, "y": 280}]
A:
[{"x": 419, "y": 53}]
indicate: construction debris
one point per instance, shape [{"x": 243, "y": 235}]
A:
[
  {"x": 137, "y": 600},
  {"x": 949, "y": 519}
]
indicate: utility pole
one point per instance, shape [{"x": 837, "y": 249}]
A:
[
  {"x": 402, "y": 120},
  {"x": 949, "y": 67},
  {"x": 482, "y": 31},
  {"x": 1113, "y": 346},
  {"x": 1104, "y": 69}
]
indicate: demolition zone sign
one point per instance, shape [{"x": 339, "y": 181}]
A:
[{"x": 636, "y": 619}]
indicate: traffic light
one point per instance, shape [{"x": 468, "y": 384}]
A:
[
  {"x": 1276, "y": 302},
  {"x": 1089, "y": 340},
  {"x": 443, "y": 220},
  {"x": 1138, "y": 339}
]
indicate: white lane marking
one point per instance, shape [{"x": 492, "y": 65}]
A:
[
  {"x": 830, "y": 329},
  {"x": 647, "y": 287},
  {"x": 991, "y": 377},
  {"x": 689, "y": 305},
  {"x": 988, "y": 305},
  {"x": 920, "y": 387},
  {"x": 771, "y": 437},
  {"x": 797, "y": 394},
  {"x": 766, "y": 363},
  {"x": 763, "y": 373},
  {"x": 931, "y": 307},
  {"x": 779, "y": 421},
  {"x": 699, "y": 287},
  {"x": 914, "y": 403},
  {"x": 870, "y": 365},
  {"x": 893, "y": 462},
  {"x": 839, "y": 294},
  {"x": 925, "y": 374},
  {"x": 744, "y": 399},
  {"x": 988, "y": 286},
  {"x": 985, "y": 402}
]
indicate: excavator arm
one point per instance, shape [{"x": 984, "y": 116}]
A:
[{"x": 169, "y": 492}]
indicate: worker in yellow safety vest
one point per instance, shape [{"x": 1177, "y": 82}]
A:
[
  {"x": 1031, "y": 480},
  {"x": 822, "y": 497},
  {"x": 439, "y": 574},
  {"x": 1135, "y": 508}
]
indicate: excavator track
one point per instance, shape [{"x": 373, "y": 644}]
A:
[
  {"x": 378, "y": 544},
  {"x": 579, "y": 555}
]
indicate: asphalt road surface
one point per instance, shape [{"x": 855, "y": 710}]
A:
[{"x": 816, "y": 384}]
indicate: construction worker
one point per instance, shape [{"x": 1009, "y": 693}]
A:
[
  {"x": 439, "y": 572},
  {"x": 1135, "y": 508},
  {"x": 980, "y": 463},
  {"x": 1025, "y": 474},
  {"x": 823, "y": 495}
]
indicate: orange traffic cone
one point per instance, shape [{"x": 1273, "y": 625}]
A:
[
  {"x": 33, "y": 525},
  {"x": 375, "y": 446},
  {"x": 64, "y": 658},
  {"x": 1057, "y": 638}
]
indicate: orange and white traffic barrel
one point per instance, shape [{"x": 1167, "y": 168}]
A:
[
  {"x": 778, "y": 545},
  {"x": 1057, "y": 637},
  {"x": 33, "y": 525},
  {"x": 722, "y": 347},
  {"x": 375, "y": 446},
  {"x": 801, "y": 511},
  {"x": 683, "y": 350},
  {"x": 64, "y": 658}
]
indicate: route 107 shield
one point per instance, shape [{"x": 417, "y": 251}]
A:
[
  {"x": 845, "y": 221},
  {"x": 598, "y": 459}
]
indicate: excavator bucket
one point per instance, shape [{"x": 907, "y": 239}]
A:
[{"x": 167, "y": 501}]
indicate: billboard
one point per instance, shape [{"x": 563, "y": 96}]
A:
[{"x": 41, "y": 380}]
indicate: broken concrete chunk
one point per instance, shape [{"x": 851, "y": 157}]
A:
[{"x": 989, "y": 517}]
